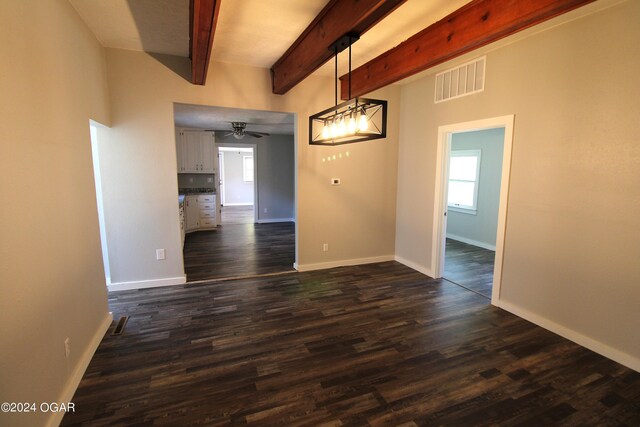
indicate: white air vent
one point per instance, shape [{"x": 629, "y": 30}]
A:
[{"x": 460, "y": 81}]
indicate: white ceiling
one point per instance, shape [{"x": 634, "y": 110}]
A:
[
  {"x": 250, "y": 32},
  {"x": 159, "y": 26},
  {"x": 220, "y": 118}
]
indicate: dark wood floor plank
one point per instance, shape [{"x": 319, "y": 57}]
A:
[
  {"x": 367, "y": 345},
  {"x": 241, "y": 249},
  {"x": 470, "y": 266}
]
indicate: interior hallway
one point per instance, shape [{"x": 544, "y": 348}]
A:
[{"x": 469, "y": 266}]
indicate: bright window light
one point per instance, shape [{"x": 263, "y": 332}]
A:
[
  {"x": 247, "y": 168},
  {"x": 464, "y": 172}
]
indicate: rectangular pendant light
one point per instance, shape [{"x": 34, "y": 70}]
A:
[{"x": 356, "y": 120}]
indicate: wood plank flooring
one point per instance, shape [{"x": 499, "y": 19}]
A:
[
  {"x": 469, "y": 266},
  {"x": 374, "y": 345},
  {"x": 237, "y": 215},
  {"x": 239, "y": 250}
]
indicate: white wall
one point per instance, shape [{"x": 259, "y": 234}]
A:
[
  {"x": 481, "y": 228},
  {"x": 52, "y": 281},
  {"x": 357, "y": 218},
  {"x": 237, "y": 191},
  {"x": 571, "y": 248}
]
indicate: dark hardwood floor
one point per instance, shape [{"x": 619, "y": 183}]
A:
[
  {"x": 469, "y": 266},
  {"x": 375, "y": 345},
  {"x": 239, "y": 250},
  {"x": 237, "y": 215}
]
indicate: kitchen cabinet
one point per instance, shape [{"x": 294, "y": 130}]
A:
[
  {"x": 207, "y": 211},
  {"x": 195, "y": 151},
  {"x": 200, "y": 212},
  {"x": 192, "y": 213}
]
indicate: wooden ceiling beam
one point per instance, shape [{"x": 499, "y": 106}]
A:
[
  {"x": 203, "y": 17},
  {"x": 476, "y": 24},
  {"x": 311, "y": 49}
]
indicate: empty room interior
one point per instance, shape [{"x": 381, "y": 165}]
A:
[{"x": 320, "y": 212}]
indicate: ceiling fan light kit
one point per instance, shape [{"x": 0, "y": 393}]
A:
[
  {"x": 239, "y": 131},
  {"x": 355, "y": 120}
]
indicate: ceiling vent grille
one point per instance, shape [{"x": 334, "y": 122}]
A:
[{"x": 460, "y": 81}]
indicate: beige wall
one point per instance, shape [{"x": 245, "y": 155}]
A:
[
  {"x": 357, "y": 219},
  {"x": 52, "y": 283},
  {"x": 571, "y": 249}
]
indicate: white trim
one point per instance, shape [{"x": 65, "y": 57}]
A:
[
  {"x": 605, "y": 350},
  {"x": 55, "y": 418},
  {"x": 269, "y": 220},
  {"x": 419, "y": 268},
  {"x": 142, "y": 284},
  {"x": 238, "y": 204},
  {"x": 471, "y": 242},
  {"x": 342, "y": 263},
  {"x": 440, "y": 197}
]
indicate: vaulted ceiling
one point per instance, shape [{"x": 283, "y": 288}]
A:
[{"x": 250, "y": 32}]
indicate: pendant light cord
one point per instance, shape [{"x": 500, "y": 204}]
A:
[
  {"x": 350, "y": 67},
  {"x": 335, "y": 89}
]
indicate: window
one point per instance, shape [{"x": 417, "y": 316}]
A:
[
  {"x": 464, "y": 171},
  {"x": 247, "y": 168}
]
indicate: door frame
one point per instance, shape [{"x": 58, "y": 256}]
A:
[
  {"x": 220, "y": 175},
  {"x": 254, "y": 148},
  {"x": 440, "y": 205}
]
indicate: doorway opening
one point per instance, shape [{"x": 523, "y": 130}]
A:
[
  {"x": 472, "y": 187},
  {"x": 94, "y": 128},
  {"x": 236, "y": 172},
  {"x": 237, "y": 182}
]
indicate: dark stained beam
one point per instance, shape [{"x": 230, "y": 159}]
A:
[
  {"x": 203, "y": 16},
  {"x": 311, "y": 49},
  {"x": 476, "y": 24}
]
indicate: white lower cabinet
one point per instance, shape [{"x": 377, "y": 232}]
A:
[
  {"x": 192, "y": 213},
  {"x": 200, "y": 212},
  {"x": 207, "y": 206}
]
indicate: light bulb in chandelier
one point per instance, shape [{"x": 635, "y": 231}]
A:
[
  {"x": 363, "y": 122},
  {"x": 333, "y": 130},
  {"x": 351, "y": 125},
  {"x": 342, "y": 127},
  {"x": 325, "y": 131}
]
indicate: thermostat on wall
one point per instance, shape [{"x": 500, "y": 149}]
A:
[{"x": 335, "y": 181}]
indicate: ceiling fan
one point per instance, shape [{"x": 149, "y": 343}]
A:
[{"x": 239, "y": 131}]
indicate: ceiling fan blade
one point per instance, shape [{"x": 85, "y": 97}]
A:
[
  {"x": 255, "y": 134},
  {"x": 228, "y": 134}
]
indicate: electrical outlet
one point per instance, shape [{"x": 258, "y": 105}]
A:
[
  {"x": 160, "y": 254},
  {"x": 209, "y": 179},
  {"x": 325, "y": 247},
  {"x": 191, "y": 180},
  {"x": 67, "y": 347}
]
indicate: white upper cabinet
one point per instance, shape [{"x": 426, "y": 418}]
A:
[{"x": 195, "y": 151}]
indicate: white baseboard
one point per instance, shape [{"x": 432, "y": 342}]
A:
[
  {"x": 342, "y": 263},
  {"x": 471, "y": 242},
  {"x": 269, "y": 220},
  {"x": 424, "y": 270},
  {"x": 73, "y": 382},
  {"x": 605, "y": 350},
  {"x": 237, "y": 204},
  {"x": 154, "y": 283}
]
